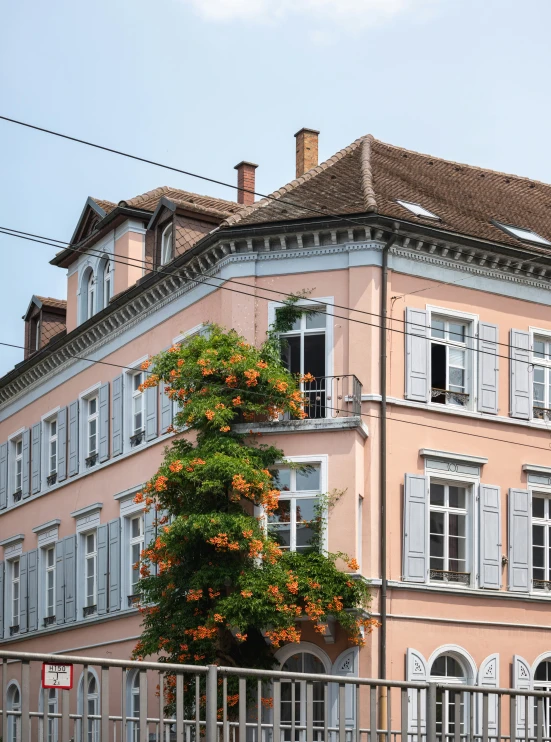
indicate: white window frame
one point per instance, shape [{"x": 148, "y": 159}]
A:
[
  {"x": 447, "y": 510},
  {"x": 82, "y": 698},
  {"x": 539, "y": 490},
  {"x": 90, "y": 289},
  {"x": 129, "y": 542},
  {"x": 12, "y": 582},
  {"x": 107, "y": 281},
  {"x": 471, "y": 368},
  {"x": 83, "y": 564},
  {"x": 47, "y": 420},
  {"x": 84, "y": 417},
  {"x": 128, "y": 405},
  {"x": 128, "y": 510},
  {"x": 167, "y": 241},
  {"x": 17, "y": 466},
  {"x": 537, "y": 333},
  {"x": 45, "y": 571}
]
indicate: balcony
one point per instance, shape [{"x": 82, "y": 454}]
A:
[
  {"x": 332, "y": 396},
  {"x": 17, "y": 495},
  {"x": 91, "y": 460},
  {"x": 541, "y": 413},
  {"x": 51, "y": 479},
  {"x": 441, "y": 575},
  {"x": 49, "y": 620},
  {"x": 137, "y": 438},
  {"x": 134, "y": 600},
  {"x": 89, "y": 610},
  {"x": 447, "y": 396}
]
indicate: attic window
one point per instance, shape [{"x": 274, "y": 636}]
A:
[
  {"x": 523, "y": 234},
  {"x": 417, "y": 210}
]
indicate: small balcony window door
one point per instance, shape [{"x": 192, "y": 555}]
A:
[
  {"x": 541, "y": 542},
  {"x": 450, "y": 360},
  {"x": 90, "y": 296},
  {"x": 135, "y": 546},
  {"x": 18, "y": 466},
  {"x": 449, "y": 533},
  {"x": 166, "y": 245},
  {"x": 107, "y": 283},
  {"x": 295, "y": 523},
  {"x": 92, "y": 410},
  {"x": 49, "y": 585},
  {"x": 15, "y": 595},
  {"x": 138, "y": 413},
  {"x": 90, "y": 573},
  {"x": 52, "y": 446},
  {"x": 541, "y": 378}
]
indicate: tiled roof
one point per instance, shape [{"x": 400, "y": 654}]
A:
[
  {"x": 107, "y": 206},
  {"x": 49, "y": 302},
  {"x": 369, "y": 176},
  {"x": 149, "y": 201}
]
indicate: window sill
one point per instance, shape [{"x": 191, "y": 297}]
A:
[
  {"x": 457, "y": 589},
  {"x": 325, "y": 424}
]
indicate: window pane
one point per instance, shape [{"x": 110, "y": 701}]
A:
[
  {"x": 90, "y": 543},
  {"x": 50, "y": 557},
  {"x": 92, "y": 406},
  {"x": 457, "y": 379},
  {"x": 437, "y": 328},
  {"x": 306, "y": 509},
  {"x": 314, "y": 355},
  {"x": 308, "y": 480},
  {"x": 538, "y": 507},
  {"x": 315, "y": 321},
  {"x": 53, "y": 428},
  {"x": 457, "y": 332},
  {"x": 284, "y": 479},
  {"x": 281, "y": 534},
  {"x": 457, "y": 497},
  {"x": 436, "y": 494},
  {"x": 282, "y": 514},
  {"x": 136, "y": 527},
  {"x": 539, "y": 392},
  {"x": 296, "y": 324},
  {"x": 539, "y": 348},
  {"x": 137, "y": 381}
]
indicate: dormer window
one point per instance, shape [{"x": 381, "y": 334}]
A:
[
  {"x": 166, "y": 245},
  {"x": 526, "y": 235},
  {"x": 37, "y": 334},
  {"x": 90, "y": 296},
  {"x": 417, "y": 210}
]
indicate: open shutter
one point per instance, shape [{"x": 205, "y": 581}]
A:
[
  {"x": 35, "y": 457},
  {"x": 415, "y": 528},
  {"x": 59, "y": 584},
  {"x": 23, "y": 593},
  {"x": 490, "y": 536},
  {"x": 103, "y": 543},
  {"x": 166, "y": 410},
  {"x": 520, "y": 540},
  {"x": 488, "y": 677},
  {"x": 73, "y": 438},
  {"x": 70, "y": 577},
  {"x": 149, "y": 519},
  {"x": 488, "y": 368},
  {"x": 25, "y": 463},
  {"x": 151, "y": 396},
  {"x": 520, "y": 376},
  {"x": 1, "y": 599},
  {"x": 104, "y": 422},
  {"x": 32, "y": 582},
  {"x": 62, "y": 444},
  {"x": 3, "y": 480},
  {"x": 116, "y": 417},
  {"x": 417, "y": 355},
  {"x": 522, "y": 680},
  {"x": 417, "y": 672},
  {"x": 114, "y": 565}
]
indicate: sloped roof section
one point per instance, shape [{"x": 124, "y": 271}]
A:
[
  {"x": 107, "y": 206},
  {"x": 150, "y": 200}
]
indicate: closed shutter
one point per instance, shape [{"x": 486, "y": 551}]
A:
[
  {"x": 488, "y": 368},
  {"x": 150, "y": 532},
  {"x": 417, "y": 672},
  {"x": 32, "y": 581},
  {"x": 417, "y": 355},
  {"x": 520, "y": 541},
  {"x": 1, "y": 600},
  {"x": 151, "y": 396},
  {"x": 488, "y": 677},
  {"x": 73, "y": 438},
  {"x": 25, "y": 463},
  {"x": 103, "y": 545},
  {"x": 35, "y": 457},
  {"x": 62, "y": 444},
  {"x": 70, "y": 577},
  {"x": 3, "y": 479},
  {"x": 415, "y": 528},
  {"x": 59, "y": 584},
  {"x": 104, "y": 422},
  {"x": 490, "y": 536},
  {"x": 166, "y": 410},
  {"x": 522, "y": 680},
  {"x": 114, "y": 565},
  {"x": 23, "y": 594},
  {"x": 520, "y": 375},
  {"x": 345, "y": 666},
  {"x": 116, "y": 417}
]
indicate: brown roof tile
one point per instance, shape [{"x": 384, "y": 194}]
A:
[
  {"x": 107, "y": 206},
  {"x": 49, "y": 302},
  {"x": 149, "y": 201}
]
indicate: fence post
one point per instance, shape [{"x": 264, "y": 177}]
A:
[
  {"x": 212, "y": 703},
  {"x": 431, "y": 713}
]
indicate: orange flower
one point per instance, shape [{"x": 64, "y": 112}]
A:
[
  {"x": 209, "y": 414},
  {"x": 231, "y": 380},
  {"x": 241, "y": 638},
  {"x": 194, "y": 595},
  {"x": 237, "y": 400},
  {"x": 262, "y": 364},
  {"x": 307, "y": 377},
  {"x": 176, "y": 466},
  {"x": 145, "y": 365},
  {"x": 353, "y": 565},
  {"x": 252, "y": 377},
  {"x": 246, "y": 593},
  {"x": 218, "y": 618},
  {"x": 225, "y": 428},
  {"x": 160, "y": 483}
]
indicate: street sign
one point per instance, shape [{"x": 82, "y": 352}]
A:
[{"x": 57, "y": 676}]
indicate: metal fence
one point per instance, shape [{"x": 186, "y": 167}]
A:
[
  {"x": 332, "y": 396},
  {"x": 119, "y": 700}
]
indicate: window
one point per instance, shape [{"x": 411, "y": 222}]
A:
[
  {"x": 138, "y": 398},
  {"x": 523, "y": 234},
  {"x": 541, "y": 542},
  {"x": 15, "y": 596},
  {"x": 18, "y": 470},
  {"x": 166, "y": 245},
  {"x": 107, "y": 282},
  {"x": 37, "y": 334},
  {"x": 90, "y": 573},
  {"x": 446, "y": 669},
  {"x": 541, "y": 378},
  {"x": 295, "y": 523},
  {"x": 294, "y": 709},
  {"x": 92, "y": 731},
  {"x": 52, "y": 450},
  {"x": 303, "y": 350},
  {"x": 90, "y": 296},
  {"x": 417, "y": 210},
  {"x": 51, "y": 708},
  {"x": 133, "y": 733},
  {"x": 49, "y": 585},
  {"x": 136, "y": 546},
  {"x": 448, "y": 533},
  {"x": 449, "y": 361},
  {"x": 14, "y": 722},
  {"x": 91, "y": 431},
  {"x": 542, "y": 682}
]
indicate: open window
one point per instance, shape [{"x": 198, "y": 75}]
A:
[
  {"x": 167, "y": 252},
  {"x": 450, "y": 361}
]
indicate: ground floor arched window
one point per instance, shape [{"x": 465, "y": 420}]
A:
[
  {"x": 293, "y": 698},
  {"x": 14, "y": 722},
  {"x": 449, "y": 712},
  {"x": 542, "y": 682}
]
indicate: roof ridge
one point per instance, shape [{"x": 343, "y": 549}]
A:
[{"x": 370, "y": 201}]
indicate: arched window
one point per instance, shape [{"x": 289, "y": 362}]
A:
[
  {"x": 166, "y": 245},
  {"x": 14, "y": 722},
  {"x": 448, "y": 669},
  {"x": 90, "y": 295},
  {"x": 107, "y": 282},
  {"x": 50, "y": 725},
  {"x": 91, "y": 731},
  {"x": 133, "y": 733},
  {"x": 294, "y": 699},
  {"x": 542, "y": 681}
]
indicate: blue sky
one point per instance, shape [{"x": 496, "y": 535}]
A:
[{"x": 203, "y": 84}]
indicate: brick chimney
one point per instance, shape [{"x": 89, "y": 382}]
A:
[
  {"x": 307, "y": 150},
  {"x": 245, "y": 182}
]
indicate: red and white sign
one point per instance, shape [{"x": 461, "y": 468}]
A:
[{"x": 57, "y": 676}]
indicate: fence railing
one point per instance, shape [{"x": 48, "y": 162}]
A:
[
  {"x": 332, "y": 396},
  {"x": 120, "y": 700}
]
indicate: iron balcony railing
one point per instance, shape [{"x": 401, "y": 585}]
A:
[
  {"x": 332, "y": 396},
  {"x": 125, "y": 701}
]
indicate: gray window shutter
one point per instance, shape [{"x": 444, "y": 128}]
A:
[
  {"x": 114, "y": 565},
  {"x": 103, "y": 545},
  {"x": 3, "y": 480},
  {"x": 62, "y": 444},
  {"x": 522, "y": 680},
  {"x": 417, "y": 672},
  {"x": 488, "y": 677},
  {"x": 73, "y": 438},
  {"x": 150, "y": 531},
  {"x": 36, "y": 449},
  {"x": 1, "y": 599},
  {"x": 59, "y": 584},
  {"x": 490, "y": 536},
  {"x": 520, "y": 376},
  {"x": 520, "y": 540},
  {"x": 32, "y": 582},
  {"x": 417, "y": 355},
  {"x": 166, "y": 410},
  {"x": 23, "y": 594},
  {"x": 416, "y": 521},
  {"x": 488, "y": 368},
  {"x": 25, "y": 483},
  {"x": 116, "y": 417},
  {"x": 151, "y": 396},
  {"x": 104, "y": 422},
  {"x": 70, "y": 577}
]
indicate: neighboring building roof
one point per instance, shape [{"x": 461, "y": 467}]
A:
[
  {"x": 150, "y": 200},
  {"x": 47, "y": 302},
  {"x": 369, "y": 176},
  {"x": 107, "y": 206}
]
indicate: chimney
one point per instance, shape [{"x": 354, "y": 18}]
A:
[
  {"x": 307, "y": 150},
  {"x": 245, "y": 182}
]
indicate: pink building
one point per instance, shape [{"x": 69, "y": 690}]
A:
[{"x": 443, "y": 452}]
